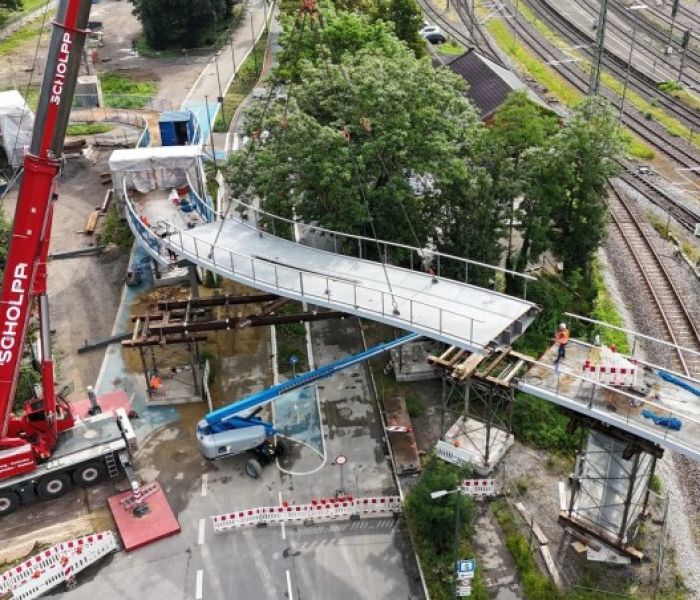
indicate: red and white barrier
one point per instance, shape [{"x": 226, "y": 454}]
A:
[
  {"x": 58, "y": 564},
  {"x": 478, "y": 487},
  {"x": 624, "y": 376},
  {"x": 325, "y": 509}
]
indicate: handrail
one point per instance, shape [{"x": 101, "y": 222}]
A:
[
  {"x": 634, "y": 401},
  {"x": 360, "y": 238},
  {"x": 305, "y": 278},
  {"x": 205, "y": 210}
]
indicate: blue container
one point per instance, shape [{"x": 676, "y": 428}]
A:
[{"x": 176, "y": 128}]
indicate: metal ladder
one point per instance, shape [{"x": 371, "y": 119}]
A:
[{"x": 111, "y": 463}]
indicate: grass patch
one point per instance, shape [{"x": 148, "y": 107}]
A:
[
  {"x": 145, "y": 50},
  {"x": 291, "y": 341},
  {"x": 115, "y": 230},
  {"x": 655, "y": 484},
  {"x": 604, "y": 309},
  {"x": 413, "y": 406},
  {"x": 121, "y": 91},
  {"x": 13, "y": 41},
  {"x": 451, "y": 48},
  {"x": 535, "y": 584},
  {"x": 246, "y": 77},
  {"x": 88, "y": 128}
]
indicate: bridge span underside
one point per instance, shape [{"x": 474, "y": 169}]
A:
[{"x": 454, "y": 312}]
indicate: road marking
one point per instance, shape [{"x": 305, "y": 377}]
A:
[
  {"x": 200, "y": 534},
  {"x": 205, "y": 480},
  {"x": 289, "y": 586},
  {"x": 198, "y": 585},
  {"x": 284, "y": 533}
]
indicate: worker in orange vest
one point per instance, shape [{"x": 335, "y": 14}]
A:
[
  {"x": 156, "y": 382},
  {"x": 562, "y": 338}
]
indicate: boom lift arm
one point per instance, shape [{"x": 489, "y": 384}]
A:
[
  {"x": 32, "y": 437},
  {"x": 236, "y": 427}
]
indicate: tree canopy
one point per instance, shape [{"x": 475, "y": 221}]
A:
[
  {"x": 373, "y": 140},
  {"x": 181, "y": 23}
]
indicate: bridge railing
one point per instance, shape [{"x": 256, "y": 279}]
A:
[
  {"x": 591, "y": 397},
  {"x": 325, "y": 290},
  {"x": 419, "y": 258}
]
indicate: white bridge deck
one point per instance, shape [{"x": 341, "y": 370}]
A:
[
  {"x": 454, "y": 312},
  {"x": 621, "y": 407}
]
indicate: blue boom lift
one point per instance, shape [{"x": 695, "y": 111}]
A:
[{"x": 236, "y": 428}]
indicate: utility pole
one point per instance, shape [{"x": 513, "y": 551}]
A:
[
  {"x": 684, "y": 46},
  {"x": 598, "y": 49},
  {"x": 220, "y": 99},
  {"x": 458, "y": 501},
  {"x": 211, "y": 130},
  {"x": 674, "y": 12},
  {"x": 636, "y": 8}
]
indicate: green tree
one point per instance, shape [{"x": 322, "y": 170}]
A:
[
  {"x": 11, "y": 5},
  {"x": 181, "y": 23},
  {"x": 344, "y": 154},
  {"x": 407, "y": 19},
  {"x": 518, "y": 126},
  {"x": 434, "y": 520},
  {"x": 569, "y": 177}
]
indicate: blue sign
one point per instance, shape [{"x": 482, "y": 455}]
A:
[
  {"x": 293, "y": 360},
  {"x": 466, "y": 568}
]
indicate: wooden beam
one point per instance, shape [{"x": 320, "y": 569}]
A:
[{"x": 600, "y": 534}]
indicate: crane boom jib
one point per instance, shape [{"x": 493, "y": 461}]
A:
[
  {"x": 228, "y": 431},
  {"x": 33, "y": 436}
]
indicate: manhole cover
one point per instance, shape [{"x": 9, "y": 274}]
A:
[{"x": 345, "y": 412}]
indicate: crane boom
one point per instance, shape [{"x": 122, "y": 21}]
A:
[{"x": 34, "y": 435}]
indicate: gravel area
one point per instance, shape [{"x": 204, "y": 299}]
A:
[{"x": 680, "y": 476}]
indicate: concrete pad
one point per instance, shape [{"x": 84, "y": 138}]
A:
[
  {"x": 158, "y": 523},
  {"x": 468, "y": 441}
]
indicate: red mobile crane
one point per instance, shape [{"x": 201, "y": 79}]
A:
[{"x": 46, "y": 450}]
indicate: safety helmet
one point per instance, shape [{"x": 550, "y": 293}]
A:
[{"x": 562, "y": 326}]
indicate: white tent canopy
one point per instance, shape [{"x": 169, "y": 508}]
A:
[
  {"x": 16, "y": 124},
  {"x": 159, "y": 167}
]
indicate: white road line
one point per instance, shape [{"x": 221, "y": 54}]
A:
[
  {"x": 200, "y": 534},
  {"x": 198, "y": 585},
  {"x": 284, "y": 533},
  {"x": 289, "y": 586},
  {"x": 205, "y": 481}
]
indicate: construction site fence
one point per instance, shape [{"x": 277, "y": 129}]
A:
[
  {"x": 315, "y": 512},
  {"x": 119, "y": 116}
]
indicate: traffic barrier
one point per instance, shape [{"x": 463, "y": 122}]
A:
[
  {"x": 478, "y": 487},
  {"x": 58, "y": 564},
  {"x": 317, "y": 511},
  {"x": 611, "y": 375}
]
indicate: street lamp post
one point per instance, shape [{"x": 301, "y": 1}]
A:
[
  {"x": 440, "y": 494},
  {"x": 636, "y": 8},
  {"x": 211, "y": 129},
  {"x": 218, "y": 80}
]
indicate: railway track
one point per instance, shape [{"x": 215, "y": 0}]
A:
[
  {"x": 641, "y": 83},
  {"x": 667, "y": 302},
  {"x": 656, "y": 53},
  {"x": 678, "y": 151},
  {"x": 685, "y": 216}
]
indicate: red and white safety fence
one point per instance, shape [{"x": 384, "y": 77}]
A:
[
  {"x": 478, "y": 487},
  {"x": 58, "y": 564},
  {"x": 324, "y": 509},
  {"x": 611, "y": 374}
]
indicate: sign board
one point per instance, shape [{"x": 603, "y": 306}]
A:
[
  {"x": 478, "y": 487},
  {"x": 697, "y": 229},
  {"x": 464, "y": 591},
  {"x": 452, "y": 454},
  {"x": 465, "y": 569},
  {"x": 293, "y": 360}
]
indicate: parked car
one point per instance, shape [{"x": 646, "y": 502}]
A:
[{"x": 433, "y": 34}]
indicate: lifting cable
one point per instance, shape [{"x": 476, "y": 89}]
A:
[
  {"x": 31, "y": 75},
  {"x": 252, "y": 147},
  {"x": 362, "y": 184}
]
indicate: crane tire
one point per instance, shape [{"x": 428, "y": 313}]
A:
[
  {"x": 253, "y": 469},
  {"x": 8, "y": 502},
  {"x": 53, "y": 486},
  {"x": 89, "y": 474}
]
